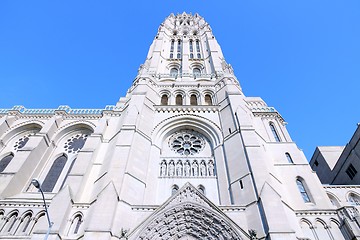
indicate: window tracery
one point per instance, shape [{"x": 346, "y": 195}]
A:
[{"x": 187, "y": 143}]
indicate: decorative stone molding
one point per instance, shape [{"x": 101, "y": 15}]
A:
[{"x": 188, "y": 214}]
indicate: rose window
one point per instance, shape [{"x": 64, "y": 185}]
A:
[
  {"x": 187, "y": 143},
  {"x": 75, "y": 143}
]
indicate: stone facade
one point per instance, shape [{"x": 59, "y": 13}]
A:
[{"x": 184, "y": 155}]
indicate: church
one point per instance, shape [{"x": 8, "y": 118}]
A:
[{"x": 184, "y": 155}]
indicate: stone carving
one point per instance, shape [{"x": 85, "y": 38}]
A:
[
  {"x": 187, "y": 142},
  {"x": 179, "y": 168},
  {"x": 211, "y": 168},
  {"x": 171, "y": 169},
  {"x": 187, "y": 168},
  {"x": 163, "y": 169},
  {"x": 202, "y": 169},
  {"x": 194, "y": 168},
  {"x": 188, "y": 216}
]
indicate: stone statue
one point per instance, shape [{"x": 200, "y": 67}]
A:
[
  {"x": 171, "y": 169},
  {"x": 187, "y": 169},
  {"x": 195, "y": 169},
  {"x": 211, "y": 168},
  {"x": 179, "y": 169},
  {"x": 163, "y": 169},
  {"x": 202, "y": 169}
]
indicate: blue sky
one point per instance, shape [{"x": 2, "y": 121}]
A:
[{"x": 301, "y": 57}]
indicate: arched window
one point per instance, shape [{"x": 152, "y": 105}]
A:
[
  {"x": 179, "y": 49},
  {"x": 333, "y": 200},
  {"x": 191, "y": 49},
  {"x": 354, "y": 199},
  {"x": 54, "y": 174},
  {"x": 173, "y": 72},
  {"x": 198, "y": 49},
  {"x": 174, "y": 189},
  {"x": 164, "y": 100},
  {"x": 201, "y": 188},
  {"x": 196, "y": 72},
  {"x": 172, "y": 49},
  {"x": 193, "y": 100},
  {"x": 5, "y": 162},
  {"x": 75, "y": 224},
  {"x": 25, "y": 224},
  {"x": 11, "y": 222},
  {"x": 208, "y": 100},
  {"x": 179, "y": 99},
  {"x": 288, "y": 157},
  {"x": 273, "y": 130},
  {"x": 303, "y": 191}
]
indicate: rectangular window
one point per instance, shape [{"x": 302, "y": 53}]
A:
[{"x": 351, "y": 171}]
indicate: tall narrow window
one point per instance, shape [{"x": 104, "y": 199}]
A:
[
  {"x": 54, "y": 174},
  {"x": 5, "y": 162},
  {"x": 191, "y": 49},
  {"x": 26, "y": 222},
  {"x": 77, "y": 222},
  {"x": 172, "y": 49},
  {"x": 179, "y": 49},
  {"x": 302, "y": 191},
  {"x": 288, "y": 157},
  {"x": 179, "y": 100},
  {"x": 208, "y": 100},
  {"x": 12, "y": 221},
  {"x": 193, "y": 100},
  {"x": 273, "y": 130},
  {"x": 198, "y": 49},
  {"x": 164, "y": 100}
]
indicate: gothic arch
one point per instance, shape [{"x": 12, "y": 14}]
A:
[
  {"x": 353, "y": 197},
  {"x": 73, "y": 126},
  {"x": 20, "y": 128},
  {"x": 187, "y": 121},
  {"x": 333, "y": 199},
  {"x": 189, "y": 214}
]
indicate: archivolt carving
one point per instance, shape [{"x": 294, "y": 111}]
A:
[
  {"x": 188, "y": 215},
  {"x": 188, "y": 220}
]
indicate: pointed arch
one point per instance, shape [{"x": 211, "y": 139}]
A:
[
  {"x": 76, "y": 223},
  {"x": 25, "y": 223},
  {"x": 188, "y": 203},
  {"x": 274, "y": 132},
  {"x": 54, "y": 173},
  {"x": 303, "y": 189}
]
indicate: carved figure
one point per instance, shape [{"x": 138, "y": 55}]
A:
[
  {"x": 171, "y": 169},
  {"x": 187, "y": 169},
  {"x": 202, "y": 169},
  {"x": 163, "y": 169},
  {"x": 195, "y": 169},
  {"x": 179, "y": 169},
  {"x": 211, "y": 168}
]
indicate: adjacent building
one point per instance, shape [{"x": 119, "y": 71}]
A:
[{"x": 184, "y": 155}]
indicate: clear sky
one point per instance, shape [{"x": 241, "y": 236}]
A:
[{"x": 301, "y": 57}]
